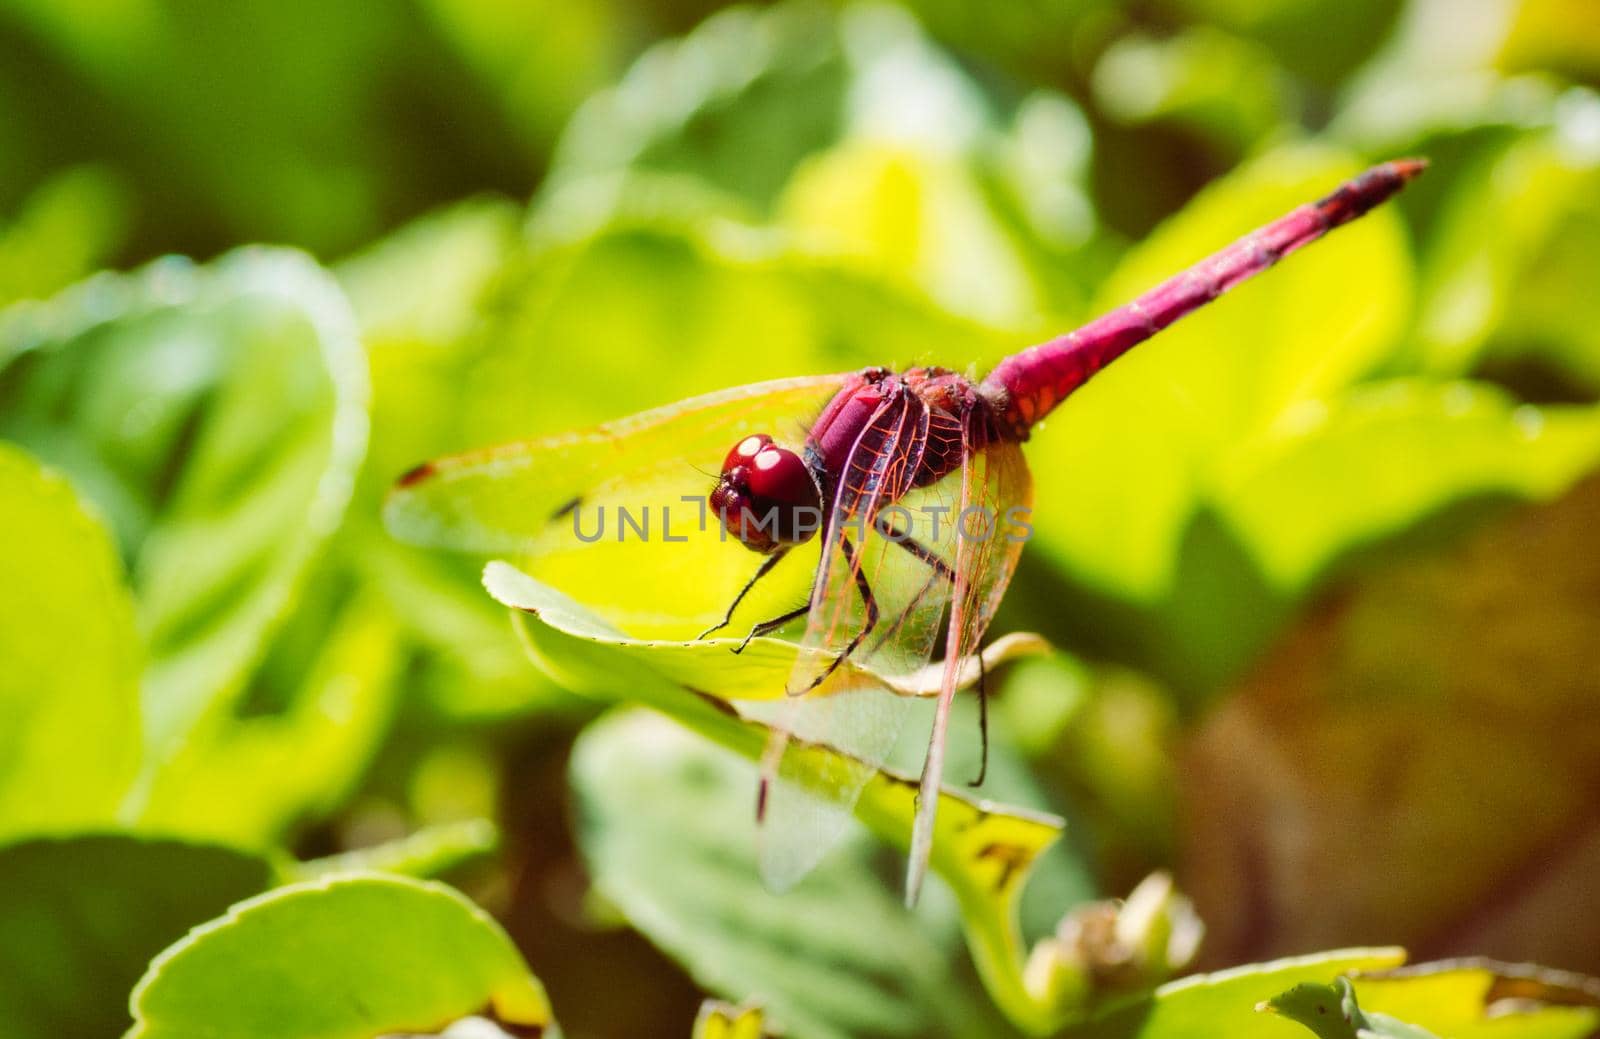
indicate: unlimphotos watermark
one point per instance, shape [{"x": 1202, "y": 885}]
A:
[{"x": 894, "y": 522}]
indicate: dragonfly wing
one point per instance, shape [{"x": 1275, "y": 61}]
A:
[
  {"x": 996, "y": 491},
  {"x": 804, "y": 812},
  {"x": 501, "y": 500}
]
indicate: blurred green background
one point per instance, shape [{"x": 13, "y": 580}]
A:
[{"x": 1319, "y": 562}]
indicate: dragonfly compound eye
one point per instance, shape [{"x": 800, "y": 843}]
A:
[{"x": 767, "y": 496}]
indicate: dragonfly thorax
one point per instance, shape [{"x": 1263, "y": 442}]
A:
[{"x": 767, "y": 496}]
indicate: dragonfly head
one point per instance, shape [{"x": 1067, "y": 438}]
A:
[{"x": 767, "y": 496}]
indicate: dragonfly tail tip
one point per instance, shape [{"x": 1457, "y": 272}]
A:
[{"x": 1409, "y": 168}]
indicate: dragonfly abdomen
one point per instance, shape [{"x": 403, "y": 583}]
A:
[{"x": 1027, "y": 386}]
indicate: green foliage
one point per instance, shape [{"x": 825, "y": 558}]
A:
[
  {"x": 352, "y": 956},
  {"x": 983, "y": 851},
  {"x": 1223, "y": 1003},
  {"x": 63, "y": 230},
  {"x": 1450, "y": 999},
  {"x": 839, "y": 955},
  {"x": 81, "y": 917},
  {"x": 1316, "y": 559},
  {"x": 69, "y": 688},
  {"x": 216, "y": 416},
  {"x": 1331, "y": 1012}
]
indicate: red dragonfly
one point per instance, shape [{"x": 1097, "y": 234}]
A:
[{"x": 914, "y": 485}]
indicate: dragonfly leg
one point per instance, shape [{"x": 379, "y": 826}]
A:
[
  {"x": 938, "y": 567},
  {"x": 869, "y": 600},
  {"x": 767, "y": 627},
  {"x": 916, "y": 548},
  {"x": 983, "y": 722},
  {"x": 765, "y": 569},
  {"x": 942, "y": 569}
]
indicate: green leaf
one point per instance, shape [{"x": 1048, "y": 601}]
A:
[
  {"x": 737, "y": 102},
  {"x": 837, "y": 956},
  {"x": 69, "y": 694},
  {"x": 352, "y": 956},
  {"x": 702, "y": 290},
  {"x": 423, "y": 287},
  {"x": 758, "y": 672},
  {"x": 80, "y": 917},
  {"x": 920, "y": 220},
  {"x": 853, "y": 129},
  {"x": 1206, "y": 1005},
  {"x": 259, "y": 124},
  {"x": 421, "y": 296},
  {"x": 303, "y": 739},
  {"x": 1452, "y": 999},
  {"x": 1385, "y": 457},
  {"x": 1481, "y": 999},
  {"x": 1331, "y": 1012},
  {"x": 217, "y": 416},
  {"x": 985, "y": 852}
]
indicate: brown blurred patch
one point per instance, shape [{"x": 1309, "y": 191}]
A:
[{"x": 1417, "y": 762}]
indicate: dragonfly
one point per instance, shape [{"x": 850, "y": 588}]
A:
[{"x": 911, "y": 484}]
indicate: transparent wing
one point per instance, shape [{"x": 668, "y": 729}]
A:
[
  {"x": 500, "y": 500},
  {"x": 875, "y": 507},
  {"x": 617, "y": 517},
  {"x": 993, "y": 524}
]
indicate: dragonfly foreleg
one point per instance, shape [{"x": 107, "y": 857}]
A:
[
  {"x": 870, "y": 601},
  {"x": 767, "y": 627},
  {"x": 916, "y": 548},
  {"x": 937, "y": 567},
  {"x": 765, "y": 569}
]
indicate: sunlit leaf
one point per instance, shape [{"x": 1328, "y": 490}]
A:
[
  {"x": 853, "y": 128},
  {"x": 69, "y": 693},
  {"x": 758, "y": 672},
  {"x": 921, "y": 219},
  {"x": 351, "y": 956},
  {"x": 1331, "y": 1012},
  {"x": 1481, "y": 999},
  {"x": 1390, "y": 456},
  {"x": 1223, "y": 1003},
  {"x": 81, "y": 916},
  {"x": 1554, "y": 35},
  {"x": 983, "y": 851}
]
